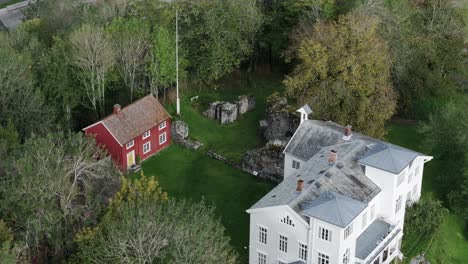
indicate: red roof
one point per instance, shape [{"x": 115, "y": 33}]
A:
[{"x": 135, "y": 119}]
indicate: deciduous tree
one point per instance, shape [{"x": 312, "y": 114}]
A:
[{"x": 344, "y": 73}]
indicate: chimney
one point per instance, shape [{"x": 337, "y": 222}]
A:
[
  {"x": 347, "y": 133},
  {"x": 116, "y": 108},
  {"x": 300, "y": 185},
  {"x": 332, "y": 156}
]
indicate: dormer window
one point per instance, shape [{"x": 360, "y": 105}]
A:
[
  {"x": 146, "y": 134},
  {"x": 296, "y": 164}
]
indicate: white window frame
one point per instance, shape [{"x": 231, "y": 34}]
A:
[
  {"x": 325, "y": 234},
  {"x": 323, "y": 258},
  {"x": 262, "y": 235},
  {"x": 165, "y": 138},
  {"x": 348, "y": 231},
  {"x": 302, "y": 251},
  {"x": 296, "y": 164},
  {"x": 364, "y": 220},
  {"x": 147, "y": 134},
  {"x": 398, "y": 203},
  {"x": 347, "y": 256},
  {"x": 283, "y": 243},
  {"x": 148, "y": 148},
  {"x": 262, "y": 258},
  {"x": 162, "y": 125},
  {"x": 130, "y": 144},
  {"x": 372, "y": 212}
]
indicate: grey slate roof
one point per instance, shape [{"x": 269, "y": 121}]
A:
[
  {"x": 311, "y": 143},
  {"x": 345, "y": 177},
  {"x": 372, "y": 237},
  {"x": 388, "y": 157},
  {"x": 334, "y": 208}
]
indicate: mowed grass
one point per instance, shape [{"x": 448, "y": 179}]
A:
[
  {"x": 233, "y": 140},
  {"x": 187, "y": 174},
  {"x": 449, "y": 244}
]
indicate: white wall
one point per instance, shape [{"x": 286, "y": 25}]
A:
[
  {"x": 270, "y": 218},
  {"x": 288, "y": 169}
]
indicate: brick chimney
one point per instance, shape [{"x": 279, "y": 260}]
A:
[
  {"x": 332, "y": 156},
  {"x": 347, "y": 133},
  {"x": 300, "y": 185},
  {"x": 116, "y": 108}
]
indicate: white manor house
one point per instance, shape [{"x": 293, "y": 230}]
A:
[{"x": 342, "y": 200}]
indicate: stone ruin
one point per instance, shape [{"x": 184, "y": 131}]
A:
[
  {"x": 228, "y": 113},
  {"x": 180, "y": 132}
]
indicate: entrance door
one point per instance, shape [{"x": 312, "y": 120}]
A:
[{"x": 130, "y": 159}]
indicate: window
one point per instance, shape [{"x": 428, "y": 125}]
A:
[
  {"x": 262, "y": 258},
  {"x": 130, "y": 144},
  {"x": 162, "y": 125},
  {"x": 408, "y": 196},
  {"x": 410, "y": 177},
  {"x": 401, "y": 177},
  {"x": 348, "y": 231},
  {"x": 146, "y": 134},
  {"x": 287, "y": 220},
  {"x": 302, "y": 251},
  {"x": 262, "y": 235},
  {"x": 398, "y": 204},
  {"x": 283, "y": 243},
  {"x": 346, "y": 256},
  {"x": 162, "y": 138},
  {"x": 146, "y": 147},
  {"x": 296, "y": 164},
  {"x": 372, "y": 212},
  {"x": 364, "y": 220},
  {"x": 323, "y": 259},
  {"x": 416, "y": 171},
  {"x": 324, "y": 234}
]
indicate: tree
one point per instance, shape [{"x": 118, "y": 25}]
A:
[
  {"x": 57, "y": 185},
  {"x": 216, "y": 36},
  {"x": 446, "y": 137},
  {"x": 94, "y": 57},
  {"x": 168, "y": 231},
  {"x": 344, "y": 73},
  {"x": 130, "y": 38},
  {"x": 57, "y": 80},
  {"x": 161, "y": 66},
  {"x": 20, "y": 102},
  {"x": 427, "y": 41}
]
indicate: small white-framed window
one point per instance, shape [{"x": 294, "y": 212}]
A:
[
  {"x": 348, "y": 231},
  {"x": 372, "y": 212},
  {"x": 262, "y": 234},
  {"x": 283, "y": 243},
  {"x": 346, "y": 256},
  {"x": 162, "y": 138},
  {"x": 130, "y": 144},
  {"x": 287, "y": 220},
  {"x": 302, "y": 252},
  {"x": 296, "y": 164},
  {"x": 323, "y": 259},
  {"x": 262, "y": 258},
  {"x": 162, "y": 125},
  {"x": 146, "y": 147},
  {"x": 398, "y": 204},
  {"x": 364, "y": 220},
  {"x": 324, "y": 234},
  {"x": 147, "y": 134}
]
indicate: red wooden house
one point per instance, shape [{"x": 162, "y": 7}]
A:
[{"x": 138, "y": 130}]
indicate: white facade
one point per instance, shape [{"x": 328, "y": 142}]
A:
[{"x": 325, "y": 243}]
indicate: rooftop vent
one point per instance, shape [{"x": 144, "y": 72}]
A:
[
  {"x": 332, "y": 156},
  {"x": 347, "y": 133},
  {"x": 300, "y": 185},
  {"x": 339, "y": 165},
  {"x": 117, "y": 108}
]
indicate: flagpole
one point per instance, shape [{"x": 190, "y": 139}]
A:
[{"x": 177, "y": 63}]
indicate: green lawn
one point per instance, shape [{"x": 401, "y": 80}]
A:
[
  {"x": 235, "y": 139},
  {"x": 449, "y": 245},
  {"x": 11, "y": 2},
  {"x": 191, "y": 175}
]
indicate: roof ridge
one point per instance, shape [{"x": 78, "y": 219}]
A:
[{"x": 339, "y": 209}]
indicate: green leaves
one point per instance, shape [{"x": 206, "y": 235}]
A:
[{"x": 344, "y": 73}]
